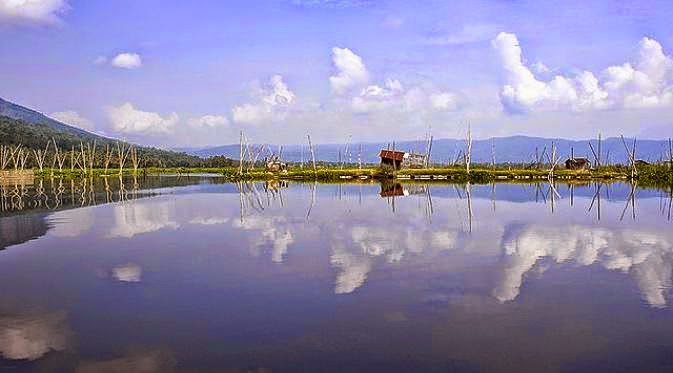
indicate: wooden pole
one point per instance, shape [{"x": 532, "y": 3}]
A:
[
  {"x": 599, "y": 163},
  {"x": 310, "y": 145},
  {"x": 493, "y": 153},
  {"x": 468, "y": 155},
  {"x": 631, "y": 154},
  {"x": 360, "y": 157},
  {"x": 670, "y": 153},
  {"x": 427, "y": 157},
  {"x": 240, "y": 157}
]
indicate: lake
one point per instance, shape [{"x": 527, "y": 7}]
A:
[{"x": 193, "y": 274}]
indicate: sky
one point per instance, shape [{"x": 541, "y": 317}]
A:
[{"x": 195, "y": 73}]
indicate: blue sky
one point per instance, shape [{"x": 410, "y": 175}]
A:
[{"x": 178, "y": 73}]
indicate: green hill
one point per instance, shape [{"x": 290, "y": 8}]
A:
[{"x": 31, "y": 129}]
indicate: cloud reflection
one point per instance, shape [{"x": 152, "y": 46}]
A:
[
  {"x": 137, "y": 217},
  {"x": 31, "y": 337},
  {"x": 274, "y": 231},
  {"x": 152, "y": 361},
  {"x": 127, "y": 273},
  {"x": 646, "y": 256}
]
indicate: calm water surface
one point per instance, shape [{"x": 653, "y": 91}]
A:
[{"x": 197, "y": 275}]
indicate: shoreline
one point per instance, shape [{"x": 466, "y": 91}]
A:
[{"x": 649, "y": 175}]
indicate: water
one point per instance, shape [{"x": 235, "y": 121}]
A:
[{"x": 194, "y": 274}]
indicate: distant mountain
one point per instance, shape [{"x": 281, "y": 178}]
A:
[
  {"x": 20, "y": 125},
  {"x": 513, "y": 149}
]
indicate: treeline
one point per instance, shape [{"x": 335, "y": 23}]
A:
[{"x": 36, "y": 137}]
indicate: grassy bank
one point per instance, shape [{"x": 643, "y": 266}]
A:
[{"x": 650, "y": 175}]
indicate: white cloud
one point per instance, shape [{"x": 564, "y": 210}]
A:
[
  {"x": 127, "y": 61},
  {"x": 272, "y": 103},
  {"x": 444, "y": 101},
  {"x": 127, "y": 119},
  {"x": 211, "y": 121},
  {"x": 74, "y": 119},
  {"x": 647, "y": 84},
  {"x": 32, "y": 11},
  {"x": 540, "y": 68},
  {"x": 351, "y": 71},
  {"x": 392, "y": 96}
]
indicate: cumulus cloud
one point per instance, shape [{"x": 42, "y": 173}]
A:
[
  {"x": 127, "y": 61},
  {"x": 647, "y": 256},
  {"x": 210, "y": 121},
  {"x": 389, "y": 96},
  {"x": 393, "y": 96},
  {"x": 32, "y": 11},
  {"x": 351, "y": 71},
  {"x": 272, "y": 103},
  {"x": 647, "y": 83},
  {"x": 73, "y": 118},
  {"x": 127, "y": 119}
]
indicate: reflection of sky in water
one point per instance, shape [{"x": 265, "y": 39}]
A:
[{"x": 273, "y": 271}]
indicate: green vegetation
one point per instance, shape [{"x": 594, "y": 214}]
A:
[
  {"x": 653, "y": 175},
  {"x": 36, "y": 136}
]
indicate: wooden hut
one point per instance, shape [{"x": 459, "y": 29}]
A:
[
  {"x": 392, "y": 158},
  {"x": 577, "y": 163}
]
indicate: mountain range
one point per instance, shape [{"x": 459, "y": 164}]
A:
[
  {"x": 513, "y": 149},
  {"x": 19, "y": 124}
]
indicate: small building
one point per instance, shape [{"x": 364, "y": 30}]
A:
[
  {"x": 392, "y": 158},
  {"x": 413, "y": 160},
  {"x": 399, "y": 159},
  {"x": 577, "y": 163},
  {"x": 274, "y": 164}
]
